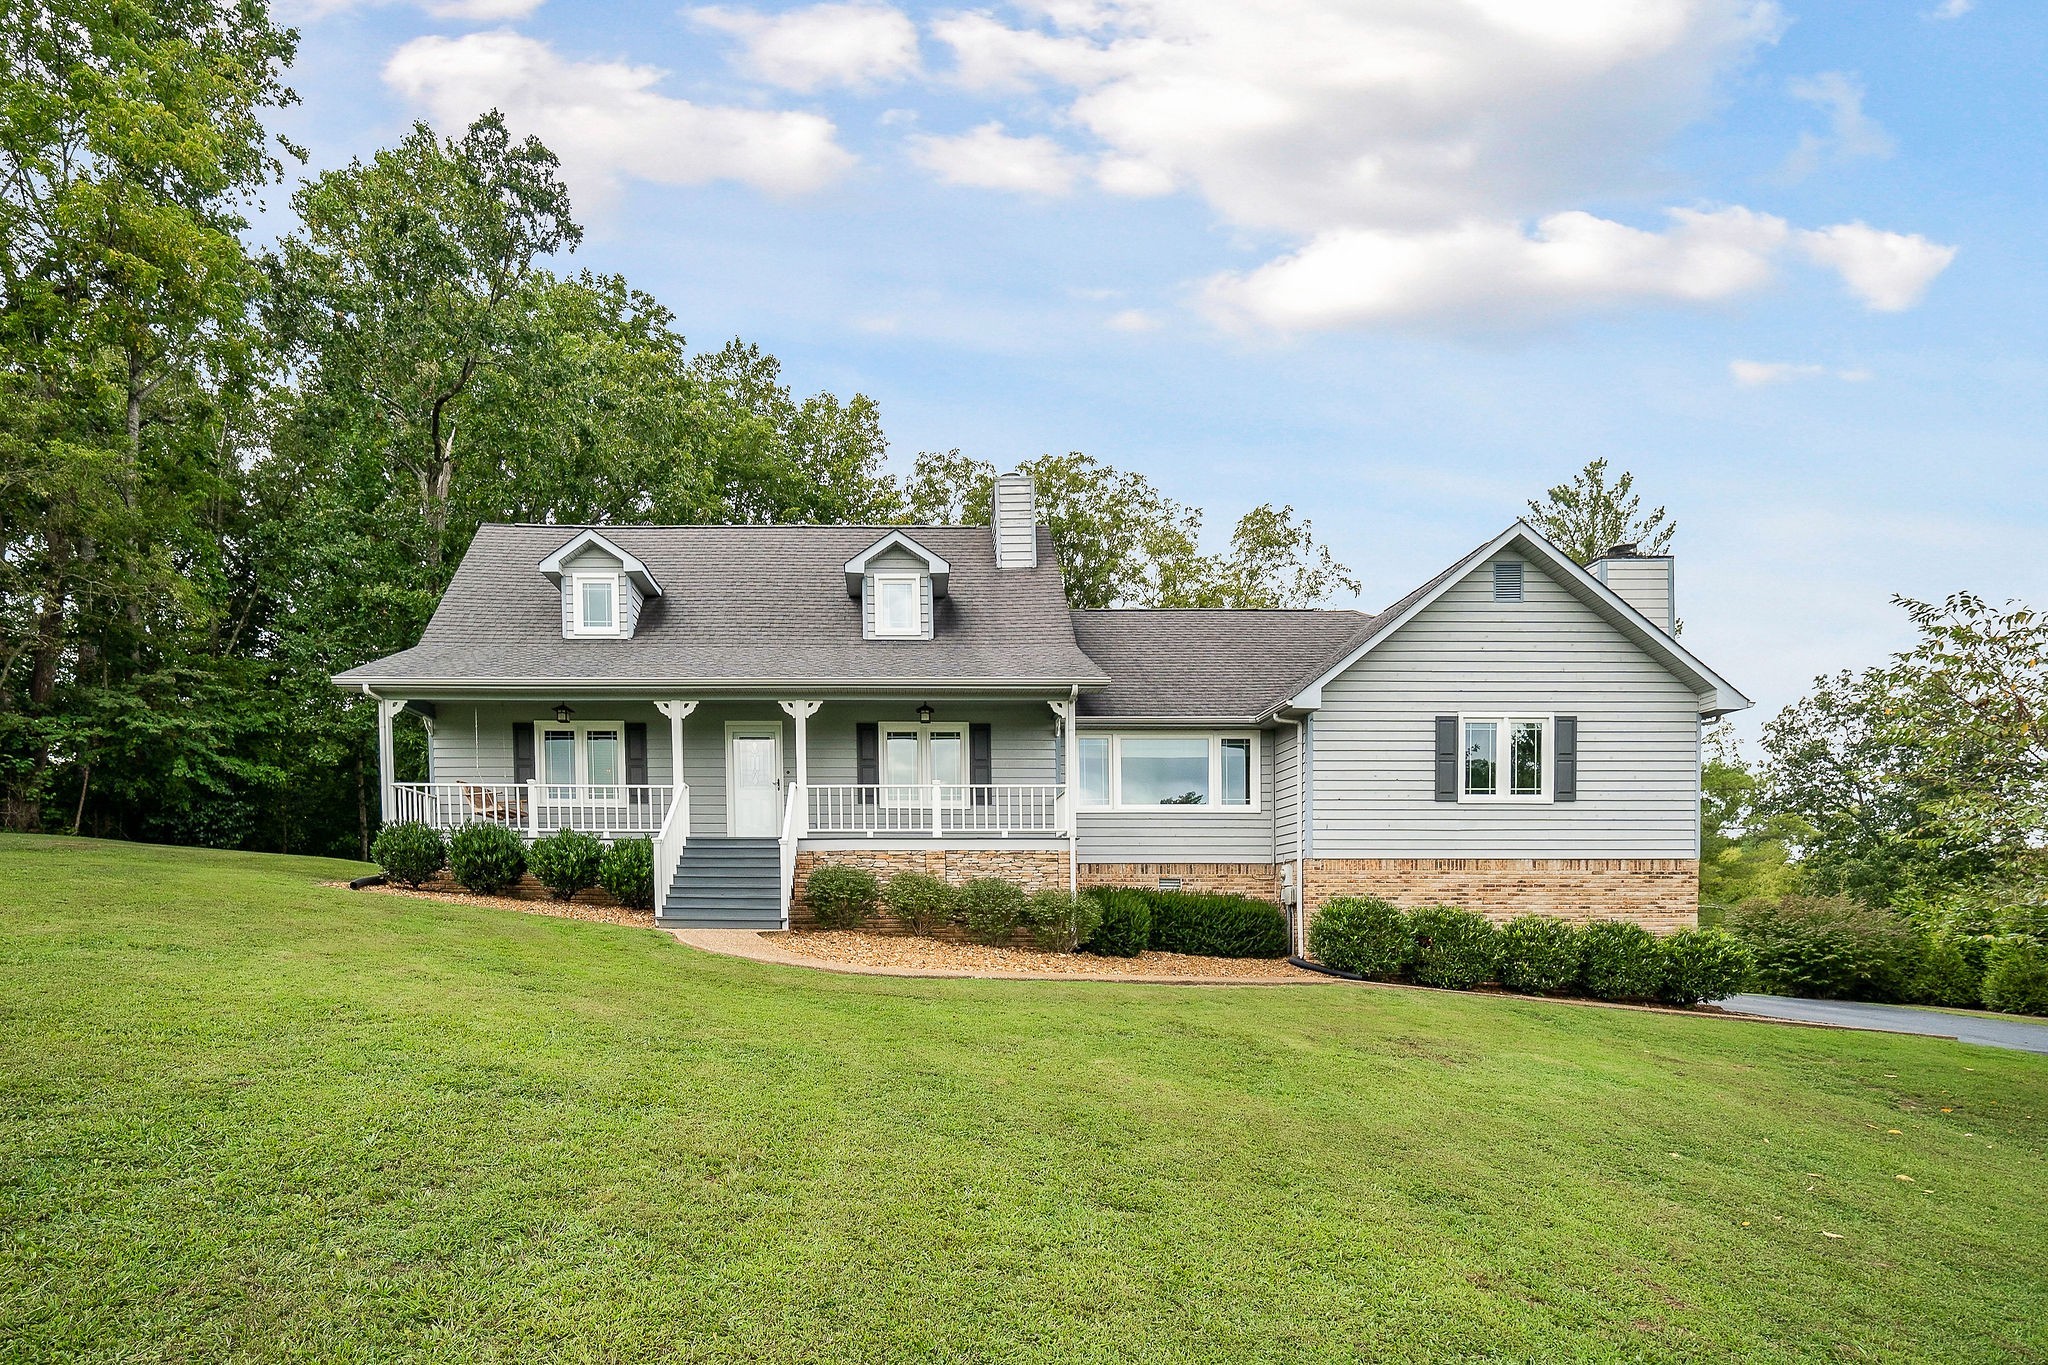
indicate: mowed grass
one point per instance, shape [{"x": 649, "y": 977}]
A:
[{"x": 245, "y": 1116}]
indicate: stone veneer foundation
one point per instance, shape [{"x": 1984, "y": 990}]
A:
[
  {"x": 1034, "y": 869},
  {"x": 1239, "y": 879},
  {"x": 1661, "y": 894}
]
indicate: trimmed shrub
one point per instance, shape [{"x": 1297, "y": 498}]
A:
[
  {"x": 1945, "y": 974},
  {"x": 627, "y": 872},
  {"x": 1540, "y": 955},
  {"x": 990, "y": 907},
  {"x": 1363, "y": 935},
  {"x": 566, "y": 862},
  {"x": 1703, "y": 964},
  {"x": 486, "y": 858},
  {"x": 2017, "y": 980},
  {"x": 1623, "y": 961},
  {"x": 1059, "y": 921},
  {"x": 1126, "y": 928},
  {"x": 925, "y": 904},
  {"x": 1454, "y": 948},
  {"x": 1828, "y": 946},
  {"x": 842, "y": 897},
  {"x": 1215, "y": 925},
  {"x": 410, "y": 851}
]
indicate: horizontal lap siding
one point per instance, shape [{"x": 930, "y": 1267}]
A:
[
  {"x": 1175, "y": 835},
  {"x": 473, "y": 740},
  {"x": 1548, "y": 654},
  {"x": 704, "y": 758},
  {"x": 1286, "y": 778},
  {"x": 1022, "y": 745}
]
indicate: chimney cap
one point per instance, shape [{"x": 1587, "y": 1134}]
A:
[{"x": 1622, "y": 549}]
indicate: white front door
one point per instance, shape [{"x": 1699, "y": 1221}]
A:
[{"x": 753, "y": 782}]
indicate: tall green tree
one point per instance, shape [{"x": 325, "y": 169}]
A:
[
  {"x": 1123, "y": 542},
  {"x": 131, "y": 142},
  {"x": 1744, "y": 849},
  {"x": 1589, "y": 515}
]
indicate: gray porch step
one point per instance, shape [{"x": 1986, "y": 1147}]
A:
[{"x": 726, "y": 884}]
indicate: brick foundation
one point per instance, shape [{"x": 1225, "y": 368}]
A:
[
  {"x": 1034, "y": 869},
  {"x": 1661, "y": 894},
  {"x": 1240, "y": 879}
]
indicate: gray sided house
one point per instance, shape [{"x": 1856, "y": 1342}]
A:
[{"x": 1517, "y": 734}]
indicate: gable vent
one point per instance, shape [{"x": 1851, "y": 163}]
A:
[{"x": 1507, "y": 581}]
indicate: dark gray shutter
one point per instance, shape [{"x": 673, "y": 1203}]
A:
[
  {"x": 636, "y": 760},
  {"x": 1446, "y": 758},
  {"x": 1565, "y": 771},
  {"x": 981, "y": 760},
  {"x": 867, "y": 759},
  {"x": 522, "y": 751}
]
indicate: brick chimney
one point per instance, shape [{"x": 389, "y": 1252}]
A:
[
  {"x": 1643, "y": 581},
  {"x": 1013, "y": 519}
]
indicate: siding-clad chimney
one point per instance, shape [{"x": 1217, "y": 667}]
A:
[
  {"x": 1643, "y": 581},
  {"x": 1013, "y": 518}
]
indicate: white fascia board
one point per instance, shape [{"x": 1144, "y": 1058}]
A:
[
  {"x": 551, "y": 567},
  {"x": 935, "y": 565},
  {"x": 1718, "y": 696}
]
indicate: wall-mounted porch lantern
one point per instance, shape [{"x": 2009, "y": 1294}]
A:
[
  {"x": 924, "y": 714},
  {"x": 562, "y": 713}
]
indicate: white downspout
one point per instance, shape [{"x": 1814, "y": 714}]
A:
[
  {"x": 1072, "y": 774},
  {"x": 1300, "y": 839}
]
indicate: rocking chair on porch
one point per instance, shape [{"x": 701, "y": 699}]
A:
[{"x": 495, "y": 806}]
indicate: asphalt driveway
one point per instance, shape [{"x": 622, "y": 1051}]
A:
[{"x": 1969, "y": 1028}]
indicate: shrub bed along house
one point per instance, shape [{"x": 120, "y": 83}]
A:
[
  {"x": 842, "y": 897},
  {"x": 989, "y": 907},
  {"x": 1126, "y": 927},
  {"x": 924, "y": 904},
  {"x": 1541, "y": 955},
  {"x": 566, "y": 862},
  {"x": 1214, "y": 925},
  {"x": 627, "y": 873},
  {"x": 409, "y": 851},
  {"x": 1454, "y": 949},
  {"x": 1703, "y": 964},
  {"x": 486, "y": 859},
  {"x": 1363, "y": 935},
  {"x": 1623, "y": 961},
  {"x": 1061, "y": 921}
]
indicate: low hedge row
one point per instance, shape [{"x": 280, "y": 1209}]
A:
[
  {"x": 990, "y": 909},
  {"x": 1441, "y": 945},
  {"x": 489, "y": 859},
  {"x": 1193, "y": 922}
]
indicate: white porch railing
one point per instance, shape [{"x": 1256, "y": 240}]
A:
[
  {"x": 668, "y": 847},
  {"x": 792, "y": 811},
  {"x": 938, "y": 809},
  {"x": 535, "y": 809}
]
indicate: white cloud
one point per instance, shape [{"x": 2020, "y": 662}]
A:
[
  {"x": 853, "y": 44},
  {"x": 991, "y": 159},
  {"x": 469, "y": 11},
  {"x": 607, "y": 122},
  {"x": 1952, "y": 9},
  {"x": 1752, "y": 374},
  {"x": 1889, "y": 271},
  {"x": 1132, "y": 320},
  {"x": 1851, "y": 132},
  {"x": 1430, "y": 160}
]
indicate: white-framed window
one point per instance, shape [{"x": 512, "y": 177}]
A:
[
  {"x": 582, "y": 761},
  {"x": 1148, "y": 770},
  {"x": 1504, "y": 758},
  {"x": 899, "y": 605},
  {"x": 595, "y": 603},
  {"x": 916, "y": 755}
]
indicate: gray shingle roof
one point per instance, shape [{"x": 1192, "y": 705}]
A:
[
  {"x": 744, "y": 603},
  {"x": 1209, "y": 663}
]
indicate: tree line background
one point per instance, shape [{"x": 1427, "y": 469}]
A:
[{"x": 232, "y": 468}]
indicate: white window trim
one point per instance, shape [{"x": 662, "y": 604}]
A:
[
  {"x": 1502, "y": 796},
  {"x": 920, "y": 792},
  {"x": 1214, "y": 807},
  {"x": 581, "y": 729},
  {"x": 618, "y": 626},
  {"x": 916, "y": 582}
]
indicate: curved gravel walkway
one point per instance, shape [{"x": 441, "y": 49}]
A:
[
  {"x": 760, "y": 947},
  {"x": 1985, "y": 1030}
]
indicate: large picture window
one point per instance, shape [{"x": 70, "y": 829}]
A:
[
  {"x": 1505, "y": 758},
  {"x": 1153, "y": 770}
]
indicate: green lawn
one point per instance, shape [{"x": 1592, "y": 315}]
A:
[{"x": 246, "y": 1116}]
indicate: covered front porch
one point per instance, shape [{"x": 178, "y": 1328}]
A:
[{"x": 685, "y": 772}]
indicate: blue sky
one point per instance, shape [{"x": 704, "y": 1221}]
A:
[{"x": 1399, "y": 263}]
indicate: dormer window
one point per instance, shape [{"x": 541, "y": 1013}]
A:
[
  {"x": 898, "y": 605},
  {"x": 597, "y": 604}
]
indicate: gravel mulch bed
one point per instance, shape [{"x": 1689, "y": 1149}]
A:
[
  {"x": 598, "y": 914},
  {"x": 853, "y": 948}
]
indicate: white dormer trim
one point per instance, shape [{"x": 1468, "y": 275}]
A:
[
  {"x": 643, "y": 578},
  {"x": 857, "y": 567}
]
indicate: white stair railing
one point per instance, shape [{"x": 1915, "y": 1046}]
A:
[
  {"x": 668, "y": 847},
  {"x": 791, "y": 836}
]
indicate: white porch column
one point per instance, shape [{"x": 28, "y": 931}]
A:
[
  {"x": 1071, "y": 772},
  {"x": 387, "y": 758},
  {"x": 801, "y": 712},
  {"x": 677, "y": 712}
]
